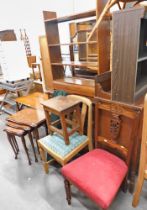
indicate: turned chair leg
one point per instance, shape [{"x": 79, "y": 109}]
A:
[
  {"x": 68, "y": 191},
  {"x": 32, "y": 143},
  {"x": 25, "y": 148},
  {"x": 138, "y": 190},
  {"x": 125, "y": 184},
  {"x": 43, "y": 157}
]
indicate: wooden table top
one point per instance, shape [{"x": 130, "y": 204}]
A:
[
  {"x": 33, "y": 100},
  {"x": 30, "y": 117},
  {"x": 60, "y": 103}
]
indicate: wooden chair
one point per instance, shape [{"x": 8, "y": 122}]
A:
[
  {"x": 32, "y": 64},
  {"x": 143, "y": 159},
  {"x": 55, "y": 145},
  {"x": 100, "y": 172}
]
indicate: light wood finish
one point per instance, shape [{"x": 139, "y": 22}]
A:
[
  {"x": 47, "y": 76},
  {"x": 86, "y": 107},
  {"x": 108, "y": 5},
  {"x": 143, "y": 159},
  {"x": 29, "y": 117},
  {"x": 73, "y": 43},
  {"x": 76, "y": 85},
  {"x": 32, "y": 100},
  {"x": 103, "y": 38},
  {"x": 76, "y": 64},
  {"x": 63, "y": 106},
  {"x": 57, "y": 66}
]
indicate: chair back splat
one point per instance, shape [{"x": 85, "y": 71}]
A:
[
  {"x": 116, "y": 128},
  {"x": 86, "y": 107}
]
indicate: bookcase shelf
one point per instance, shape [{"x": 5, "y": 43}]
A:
[
  {"x": 72, "y": 43},
  {"x": 85, "y": 58},
  {"x": 87, "y": 14}
]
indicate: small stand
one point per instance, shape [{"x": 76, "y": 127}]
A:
[{"x": 68, "y": 111}]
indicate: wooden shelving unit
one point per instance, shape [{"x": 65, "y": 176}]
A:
[
  {"x": 87, "y": 14},
  {"x": 86, "y": 66},
  {"x": 129, "y": 63}
]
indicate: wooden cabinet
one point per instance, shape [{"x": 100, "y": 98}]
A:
[{"x": 129, "y": 55}]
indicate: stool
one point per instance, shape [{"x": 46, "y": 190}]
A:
[
  {"x": 32, "y": 118},
  {"x": 12, "y": 131},
  {"x": 63, "y": 107}
]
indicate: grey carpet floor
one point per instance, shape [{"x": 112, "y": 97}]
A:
[{"x": 24, "y": 187}]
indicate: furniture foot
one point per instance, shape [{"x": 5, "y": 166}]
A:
[
  {"x": 68, "y": 191},
  {"x": 137, "y": 191},
  {"x": 45, "y": 164},
  {"x": 26, "y": 150},
  {"x": 32, "y": 143}
]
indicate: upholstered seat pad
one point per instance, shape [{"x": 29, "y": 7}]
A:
[
  {"x": 98, "y": 174},
  {"x": 57, "y": 144}
]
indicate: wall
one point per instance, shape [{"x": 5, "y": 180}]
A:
[{"x": 27, "y": 14}]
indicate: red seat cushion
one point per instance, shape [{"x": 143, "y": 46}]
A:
[{"x": 98, "y": 174}]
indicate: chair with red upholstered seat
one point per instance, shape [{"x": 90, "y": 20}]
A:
[{"x": 100, "y": 172}]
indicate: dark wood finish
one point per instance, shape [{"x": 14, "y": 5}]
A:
[
  {"x": 7, "y": 35},
  {"x": 68, "y": 191},
  {"x": 126, "y": 87},
  {"x": 13, "y": 145},
  {"x": 90, "y": 13},
  {"x": 32, "y": 118},
  {"x": 52, "y": 35},
  {"x": 12, "y": 131},
  {"x": 116, "y": 129},
  {"x": 63, "y": 106}
]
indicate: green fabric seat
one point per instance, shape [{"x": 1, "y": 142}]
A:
[{"x": 57, "y": 144}]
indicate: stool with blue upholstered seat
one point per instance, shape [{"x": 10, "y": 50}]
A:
[{"x": 55, "y": 145}]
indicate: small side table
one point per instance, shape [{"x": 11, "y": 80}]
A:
[
  {"x": 32, "y": 118},
  {"x": 66, "y": 109}
]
